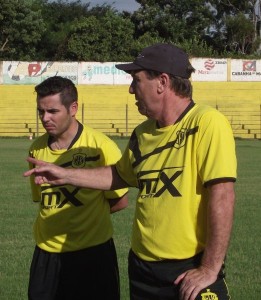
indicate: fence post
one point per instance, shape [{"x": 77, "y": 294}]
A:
[
  {"x": 82, "y": 113},
  {"x": 37, "y": 123},
  {"x": 127, "y": 119},
  {"x": 260, "y": 122}
]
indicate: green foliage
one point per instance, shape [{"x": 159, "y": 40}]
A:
[
  {"x": 173, "y": 20},
  {"x": 240, "y": 34},
  {"x": 102, "y": 38},
  {"x": 146, "y": 40},
  {"x": 197, "y": 48},
  {"x": 21, "y": 29},
  {"x": 85, "y": 35},
  {"x": 233, "y": 28},
  {"x": 72, "y": 31},
  {"x": 59, "y": 16}
]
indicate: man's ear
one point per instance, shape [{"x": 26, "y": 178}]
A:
[
  {"x": 74, "y": 108},
  {"x": 163, "y": 81}
]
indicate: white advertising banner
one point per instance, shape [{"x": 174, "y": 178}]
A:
[
  {"x": 122, "y": 77},
  {"x": 245, "y": 70},
  {"x": 101, "y": 73},
  {"x": 1, "y": 72},
  {"x": 209, "y": 69},
  {"x": 21, "y": 72}
]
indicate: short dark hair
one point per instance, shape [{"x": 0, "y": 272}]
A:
[
  {"x": 58, "y": 85},
  {"x": 181, "y": 86}
]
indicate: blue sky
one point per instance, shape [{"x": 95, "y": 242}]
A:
[{"x": 120, "y": 5}]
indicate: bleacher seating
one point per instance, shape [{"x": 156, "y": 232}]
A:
[{"x": 112, "y": 110}]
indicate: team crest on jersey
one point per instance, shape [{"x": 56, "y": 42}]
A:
[
  {"x": 181, "y": 138},
  {"x": 209, "y": 295},
  {"x": 79, "y": 160}
]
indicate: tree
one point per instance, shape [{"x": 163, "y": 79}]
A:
[
  {"x": 101, "y": 38},
  {"x": 205, "y": 26},
  {"x": 21, "y": 28},
  {"x": 59, "y": 16},
  {"x": 70, "y": 30},
  {"x": 173, "y": 20},
  {"x": 240, "y": 34},
  {"x": 183, "y": 23},
  {"x": 234, "y": 27}
]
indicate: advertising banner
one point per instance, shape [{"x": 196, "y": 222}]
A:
[
  {"x": 1, "y": 72},
  {"x": 122, "y": 77},
  {"x": 21, "y": 72},
  {"x": 101, "y": 73},
  {"x": 209, "y": 69},
  {"x": 245, "y": 70}
]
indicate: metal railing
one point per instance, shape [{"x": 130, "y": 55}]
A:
[{"x": 245, "y": 122}]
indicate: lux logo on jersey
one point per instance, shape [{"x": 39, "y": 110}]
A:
[
  {"x": 59, "y": 198},
  {"x": 160, "y": 182}
]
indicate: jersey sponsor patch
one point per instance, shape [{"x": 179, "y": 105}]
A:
[{"x": 154, "y": 183}]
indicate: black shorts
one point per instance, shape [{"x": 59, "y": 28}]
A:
[
  {"x": 88, "y": 274},
  {"x": 155, "y": 280}
]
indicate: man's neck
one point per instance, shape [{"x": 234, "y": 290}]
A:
[
  {"x": 64, "y": 140},
  {"x": 173, "y": 111}
]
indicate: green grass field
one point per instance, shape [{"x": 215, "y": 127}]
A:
[{"x": 17, "y": 213}]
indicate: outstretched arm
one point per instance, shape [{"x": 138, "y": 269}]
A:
[
  {"x": 220, "y": 219},
  {"x": 102, "y": 178}
]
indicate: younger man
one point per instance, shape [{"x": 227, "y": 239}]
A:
[{"x": 74, "y": 256}]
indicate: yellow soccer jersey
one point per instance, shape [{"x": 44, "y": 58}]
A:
[
  {"x": 72, "y": 218},
  {"x": 171, "y": 167}
]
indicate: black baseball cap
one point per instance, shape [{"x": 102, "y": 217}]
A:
[{"x": 164, "y": 58}]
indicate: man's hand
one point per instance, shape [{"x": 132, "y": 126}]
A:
[
  {"x": 46, "y": 173},
  {"x": 193, "y": 281}
]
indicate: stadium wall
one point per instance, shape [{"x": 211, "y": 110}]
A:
[{"x": 232, "y": 87}]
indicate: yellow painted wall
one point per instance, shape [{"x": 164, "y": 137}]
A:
[
  {"x": 108, "y": 103},
  {"x": 227, "y": 92}
]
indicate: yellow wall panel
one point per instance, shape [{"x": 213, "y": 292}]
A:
[{"x": 109, "y": 104}]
